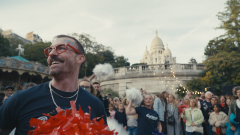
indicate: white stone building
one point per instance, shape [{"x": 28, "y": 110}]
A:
[
  {"x": 158, "y": 72},
  {"x": 158, "y": 54}
]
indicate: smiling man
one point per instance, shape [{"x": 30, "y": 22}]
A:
[{"x": 66, "y": 57}]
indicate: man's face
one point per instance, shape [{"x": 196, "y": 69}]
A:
[
  {"x": 64, "y": 63},
  {"x": 97, "y": 87},
  {"x": 209, "y": 96},
  {"x": 202, "y": 95},
  {"x": 8, "y": 92},
  {"x": 189, "y": 94}
]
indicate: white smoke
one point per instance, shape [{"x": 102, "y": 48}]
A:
[
  {"x": 134, "y": 95},
  {"x": 102, "y": 71}
]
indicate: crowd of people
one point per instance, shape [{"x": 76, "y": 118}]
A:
[{"x": 164, "y": 114}]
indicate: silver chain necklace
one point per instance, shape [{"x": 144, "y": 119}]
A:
[{"x": 60, "y": 95}]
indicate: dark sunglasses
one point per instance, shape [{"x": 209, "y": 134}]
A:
[{"x": 85, "y": 87}]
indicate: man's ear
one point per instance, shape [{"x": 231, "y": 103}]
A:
[{"x": 80, "y": 59}]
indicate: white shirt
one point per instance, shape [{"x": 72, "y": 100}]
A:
[{"x": 238, "y": 103}]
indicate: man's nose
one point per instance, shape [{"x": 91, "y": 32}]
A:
[{"x": 53, "y": 52}]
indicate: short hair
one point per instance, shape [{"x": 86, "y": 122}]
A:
[
  {"x": 190, "y": 92},
  {"x": 207, "y": 93},
  {"x": 186, "y": 98},
  {"x": 79, "y": 48},
  {"x": 235, "y": 89},
  {"x": 115, "y": 99},
  {"x": 92, "y": 90},
  {"x": 96, "y": 83}
]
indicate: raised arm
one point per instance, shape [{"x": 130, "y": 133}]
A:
[
  {"x": 156, "y": 105},
  {"x": 130, "y": 110}
]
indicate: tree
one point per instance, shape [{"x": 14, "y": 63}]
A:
[
  {"x": 193, "y": 61},
  {"x": 5, "y": 48},
  {"x": 120, "y": 61},
  {"x": 35, "y": 52},
  {"x": 230, "y": 21}
]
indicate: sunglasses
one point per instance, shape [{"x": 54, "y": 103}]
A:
[
  {"x": 85, "y": 87},
  {"x": 61, "y": 48}
]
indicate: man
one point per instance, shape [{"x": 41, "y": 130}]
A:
[
  {"x": 202, "y": 97},
  {"x": 65, "y": 57},
  {"x": 205, "y": 108},
  {"x": 8, "y": 92},
  {"x": 105, "y": 101},
  {"x": 189, "y": 95}
]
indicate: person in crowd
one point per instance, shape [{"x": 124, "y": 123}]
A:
[
  {"x": 131, "y": 120},
  {"x": 178, "y": 101},
  {"x": 29, "y": 85},
  {"x": 193, "y": 116},
  {"x": 205, "y": 107},
  {"x": 111, "y": 111},
  {"x": 189, "y": 94},
  {"x": 88, "y": 86},
  {"x": 173, "y": 119},
  {"x": 235, "y": 109},
  {"x": 186, "y": 101},
  {"x": 120, "y": 116},
  {"x": 223, "y": 104},
  {"x": 116, "y": 103},
  {"x": 110, "y": 100},
  {"x": 214, "y": 100},
  {"x": 202, "y": 97},
  {"x": 8, "y": 92},
  {"x": 148, "y": 119},
  {"x": 228, "y": 102},
  {"x": 104, "y": 99},
  {"x": 218, "y": 119},
  {"x": 159, "y": 106},
  {"x": 65, "y": 58}
]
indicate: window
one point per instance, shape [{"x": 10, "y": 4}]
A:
[
  {"x": 156, "y": 59},
  {"x": 145, "y": 57},
  {"x": 159, "y": 52}
]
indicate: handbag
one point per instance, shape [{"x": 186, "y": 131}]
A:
[
  {"x": 196, "y": 128},
  {"x": 171, "y": 119}
]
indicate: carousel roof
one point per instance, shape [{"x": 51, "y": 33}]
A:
[{"x": 19, "y": 58}]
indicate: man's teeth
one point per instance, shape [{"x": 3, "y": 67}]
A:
[{"x": 55, "y": 62}]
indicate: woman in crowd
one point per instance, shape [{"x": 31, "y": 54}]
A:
[
  {"x": 87, "y": 85},
  {"x": 223, "y": 104},
  {"x": 228, "y": 102},
  {"x": 111, "y": 111},
  {"x": 185, "y": 101},
  {"x": 193, "y": 116},
  {"x": 116, "y": 103},
  {"x": 173, "y": 119},
  {"x": 131, "y": 120},
  {"x": 218, "y": 119},
  {"x": 110, "y": 100},
  {"x": 120, "y": 116},
  {"x": 235, "y": 109},
  {"x": 148, "y": 118},
  {"x": 159, "y": 106}
]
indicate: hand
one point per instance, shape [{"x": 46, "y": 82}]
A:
[
  {"x": 193, "y": 124},
  {"x": 204, "y": 122},
  {"x": 125, "y": 127},
  {"x": 233, "y": 128},
  {"x": 209, "y": 113},
  {"x": 214, "y": 124}
]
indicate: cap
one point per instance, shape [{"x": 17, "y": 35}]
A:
[{"x": 9, "y": 87}]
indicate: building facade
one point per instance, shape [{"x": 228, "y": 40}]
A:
[
  {"x": 158, "y": 53},
  {"x": 34, "y": 38}
]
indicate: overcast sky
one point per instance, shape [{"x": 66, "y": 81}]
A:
[{"x": 128, "y": 26}]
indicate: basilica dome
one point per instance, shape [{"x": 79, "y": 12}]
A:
[
  {"x": 156, "y": 43},
  {"x": 167, "y": 51}
]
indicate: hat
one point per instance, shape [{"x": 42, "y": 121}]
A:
[{"x": 9, "y": 87}]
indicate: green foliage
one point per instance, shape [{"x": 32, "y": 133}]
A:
[
  {"x": 181, "y": 92},
  {"x": 109, "y": 90},
  {"x": 5, "y": 47},
  {"x": 193, "y": 61},
  {"x": 35, "y": 52}
]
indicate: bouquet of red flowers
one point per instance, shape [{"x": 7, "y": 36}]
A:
[
  {"x": 181, "y": 108},
  {"x": 69, "y": 122},
  {"x": 218, "y": 131}
]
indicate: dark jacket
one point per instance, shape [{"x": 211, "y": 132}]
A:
[
  {"x": 121, "y": 117},
  {"x": 206, "y": 108}
]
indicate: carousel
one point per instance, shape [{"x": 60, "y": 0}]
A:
[{"x": 17, "y": 71}]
